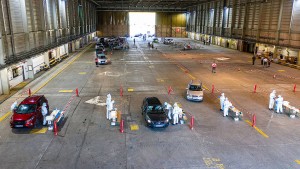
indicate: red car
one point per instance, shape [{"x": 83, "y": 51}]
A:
[{"x": 29, "y": 112}]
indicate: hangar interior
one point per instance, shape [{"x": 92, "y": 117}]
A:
[
  {"x": 35, "y": 34},
  {"x": 157, "y": 103}
]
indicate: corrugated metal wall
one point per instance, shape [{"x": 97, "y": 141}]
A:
[
  {"x": 170, "y": 24},
  {"x": 112, "y": 23},
  {"x": 39, "y": 24},
  {"x": 268, "y": 21},
  {"x": 117, "y": 24}
]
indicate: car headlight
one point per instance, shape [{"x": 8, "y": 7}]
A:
[
  {"x": 167, "y": 120},
  {"x": 29, "y": 120},
  {"x": 148, "y": 119}
]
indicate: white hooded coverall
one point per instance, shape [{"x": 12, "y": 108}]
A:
[
  {"x": 169, "y": 108},
  {"x": 227, "y": 104},
  {"x": 176, "y": 110},
  {"x": 108, "y": 100},
  {"x": 272, "y": 99},
  {"x": 13, "y": 106},
  {"x": 110, "y": 108},
  {"x": 222, "y": 99},
  {"x": 279, "y": 104},
  {"x": 44, "y": 112}
]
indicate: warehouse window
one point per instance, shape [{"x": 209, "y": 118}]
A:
[{"x": 17, "y": 71}]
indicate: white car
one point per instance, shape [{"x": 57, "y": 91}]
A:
[
  {"x": 168, "y": 41},
  {"x": 101, "y": 59},
  {"x": 194, "y": 91}
]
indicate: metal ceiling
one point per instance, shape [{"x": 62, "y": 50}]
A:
[{"x": 146, "y": 5}]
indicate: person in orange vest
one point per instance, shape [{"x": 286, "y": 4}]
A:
[{"x": 213, "y": 67}]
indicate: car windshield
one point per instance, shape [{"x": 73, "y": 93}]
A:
[
  {"x": 195, "y": 87},
  {"x": 155, "y": 109},
  {"x": 26, "y": 108}
]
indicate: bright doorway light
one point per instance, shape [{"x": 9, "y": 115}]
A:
[{"x": 141, "y": 23}]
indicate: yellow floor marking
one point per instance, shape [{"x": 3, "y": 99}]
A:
[
  {"x": 82, "y": 73},
  {"x": 181, "y": 68},
  {"x": 257, "y": 129},
  {"x": 205, "y": 87},
  {"x": 159, "y": 80},
  {"x": 130, "y": 90},
  {"x": 65, "y": 91},
  {"x": 297, "y": 161},
  {"x": 134, "y": 127},
  {"x": 191, "y": 76},
  {"x": 247, "y": 121},
  {"x": 39, "y": 131},
  {"x": 213, "y": 163},
  {"x": 5, "y": 116},
  {"x": 281, "y": 70}
]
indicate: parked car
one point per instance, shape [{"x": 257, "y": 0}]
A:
[
  {"x": 155, "y": 40},
  {"x": 194, "y": 91},
  {"x": 187, "y": 47},
  {"x": 150, "y": 36},
  {"x": 101, "y": 59},
  {"x": 99, "y": 46},
  {"x": 98, "y": 51},
  {"x": 153, "y": 113},
  {"x": 138, "y": 35},
  {"x": 168, "y": 41},
  {"x": 29, "y": 112}
]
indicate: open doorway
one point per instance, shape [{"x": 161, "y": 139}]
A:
[{"x": 142, "y": 23}]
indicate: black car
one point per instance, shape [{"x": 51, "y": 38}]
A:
[{"x": 153, "y": 113}]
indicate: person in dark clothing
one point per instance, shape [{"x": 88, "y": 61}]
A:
[
  {"x": 253, "y": 59},
  {"x": 269, "y": 62}
]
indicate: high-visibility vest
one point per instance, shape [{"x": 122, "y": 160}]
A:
[{"x": 214, "y": 65}]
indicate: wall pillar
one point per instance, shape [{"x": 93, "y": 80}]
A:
[{"x": 4, "y": 81}]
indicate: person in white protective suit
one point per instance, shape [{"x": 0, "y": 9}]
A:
[
  {"x": 222, "y": 99},
  {"x": 180, "y": 114},
  {"x": 170, "y": 109},
  {"x": 176, "y": 111},
  {"x": 110, "y": 108},
  {"x": 44, "y": 113},
  {"x": 272, "y": 99},
  {"x": 13, "y": 106},
  {"x": 279, "y": 104},
  {"x": 108, "y": 100},
  {"x": 227, "y": 104}
]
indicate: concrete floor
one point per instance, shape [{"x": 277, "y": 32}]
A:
[{"x": 86, "y": 140}]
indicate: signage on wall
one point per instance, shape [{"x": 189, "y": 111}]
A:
[{"x": 177, "y": 30}]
